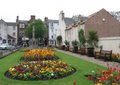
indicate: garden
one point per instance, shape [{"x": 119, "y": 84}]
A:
[{"x": 38, "y": 68}]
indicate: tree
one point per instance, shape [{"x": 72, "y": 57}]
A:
[
  {"x": 92, "y": 39},
  {"x": 81, "y": 37},
  {"x": 66, "y": 43},
  {"x": 59, "y": 39},
  {"x": 92, "y": 42},
  {"x": 40, "y": 29}
]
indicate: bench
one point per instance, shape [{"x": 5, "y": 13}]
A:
[{"x": 105, "y": 54}]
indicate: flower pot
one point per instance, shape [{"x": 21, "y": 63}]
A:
[
  {"x": 75, "y": 49},
  {"x": 90, "y": 52}
]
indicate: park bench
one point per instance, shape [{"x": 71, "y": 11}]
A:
[{"x": 104, "y": 54}]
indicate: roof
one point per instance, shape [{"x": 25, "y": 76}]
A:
[
  {"x": 11, "y": 23},
  {"x": 52, "y": 21},
  {"x": 23, "y": 21},
  {"x": 68, "y": 21}
]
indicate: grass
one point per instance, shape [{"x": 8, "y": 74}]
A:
[{"x": 83, "y": 67}]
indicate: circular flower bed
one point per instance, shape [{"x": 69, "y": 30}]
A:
[
  {"x": 40, "y": 70},
  {"x": 39, "y": 54}
]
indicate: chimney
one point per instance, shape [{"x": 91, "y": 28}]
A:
[
  {"x": 32, "y": 17},
  {"x": 46, "y": 19},
  {"x": 17, "y": 20},
  {"x": 62, "y": 15}
]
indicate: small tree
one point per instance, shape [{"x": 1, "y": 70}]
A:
[
  {"x": 92, "y": 39},
  {"x": 66, "y": 43},
  {"x": 81, "y": 37},
  {"x": 75, "y": 43},
  {"x": 59, "y": 40},
  {"x": 92, "y": 42}
]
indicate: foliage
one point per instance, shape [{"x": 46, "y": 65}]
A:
[
  {"x": 75, "y": 43},
  {"x": 92, "y": 39},
  {"x": 59, "y": 39},
  {"x": 81, "y": 37},
  {"x": 80, "y": 65},
  {"x": 39, "y": 54},
  {"x": 106, "y": 77},
  {"x": 40, "y": 29},
  {"x": 66, "y": 43},
  {"x": 39, "y": 70}
]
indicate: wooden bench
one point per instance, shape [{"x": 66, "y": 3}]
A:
[{"x": 105, "y": 54}]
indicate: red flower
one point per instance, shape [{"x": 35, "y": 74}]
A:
[
  {"x": 119, "y": 72},
  {"x": 117, "y": 78},
  {"x": 89, "y": 77}
]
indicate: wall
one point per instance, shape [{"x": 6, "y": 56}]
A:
[
  {"x": 111, "y": 43},
  {"x": 11, "y": 30}
]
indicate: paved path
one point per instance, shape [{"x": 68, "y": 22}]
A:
[{"x": 91, "y": 59}]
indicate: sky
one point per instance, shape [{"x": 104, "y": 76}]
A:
[{"x": 9, "y": 9}]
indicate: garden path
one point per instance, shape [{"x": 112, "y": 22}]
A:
[{"x": 91, "y": 59}]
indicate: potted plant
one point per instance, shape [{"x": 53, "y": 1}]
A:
[
  {"x": 82, "y": 41},
  {"x": 92, "y": 42},
  {"x": 75, "y": 46},
  {"x": 67, "y": 45},
  {"x": 59, "y": 40}
]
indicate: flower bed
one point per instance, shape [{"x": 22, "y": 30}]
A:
[
  {"x": 40, "y": 70},
  {"x": 116, "y": 57},
  {"x": 106, "y": 77},
  {"x": 39, "y": 54}
]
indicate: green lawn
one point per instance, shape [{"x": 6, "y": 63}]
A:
[{"x": 83, "y": 67}]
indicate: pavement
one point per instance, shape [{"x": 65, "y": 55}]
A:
[
  {"x": 4, "y": 53},
  {"x": 91, "y": 59}
]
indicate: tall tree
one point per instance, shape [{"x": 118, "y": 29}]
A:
[
  {"x": 81, "y": 37},
  {"x": 40, "y": 29}
]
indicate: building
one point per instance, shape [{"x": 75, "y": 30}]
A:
[
  {"x": 107, "y": 26},
  {"x": 8, "y": 32},
  {"x": 53, "y": 31},
  {"x": 64, "y": 22},
  {"x": 21, "y": 25},
  {"x": 72, "y": 30},
  {"x": 108, "y": 29}
]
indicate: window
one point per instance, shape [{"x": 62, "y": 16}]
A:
[
  {"x": 13, "y": 33},
  {"x": 22, "y": 26},
  {"x": 52, "y": 36},
  {"x": 4, "y": 41}
]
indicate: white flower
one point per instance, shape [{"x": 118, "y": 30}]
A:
[{"x": 52, "y": 74}]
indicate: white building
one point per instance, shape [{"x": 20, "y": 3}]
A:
[
  {"x": 8, "y": 32},
  {"x": 53, "y": 31},
  {"x": 64, "y": 22}
]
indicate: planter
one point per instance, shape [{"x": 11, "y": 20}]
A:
[
  {"x": 75, "y": 49},
  {"x": 67, "y": 48},
  {"x": 63, "y": 47},
  {"x": 90, "y": 52}
]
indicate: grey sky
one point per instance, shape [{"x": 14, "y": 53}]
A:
[{"x": 9, "y": 9}]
